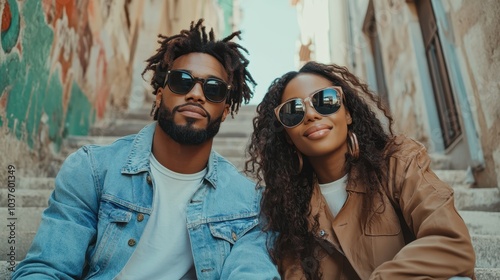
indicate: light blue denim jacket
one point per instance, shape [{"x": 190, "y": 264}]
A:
[{"x": 102, "y": 202}]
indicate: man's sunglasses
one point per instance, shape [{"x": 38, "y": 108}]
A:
[
  {"x": 325, "y": 101},
  {"x": 182, "y": 82}
]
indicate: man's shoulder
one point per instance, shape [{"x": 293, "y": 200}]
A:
[
  {"x": 141, "y": 140},
  {"x": 234, "y": 183},
  {"x": 227, "y": 168},
  {"x": 234, "y": 193},
  {"x": 404, "y": 151},
  {"x": 117, "y": 146},
  {"x": 101, "y": 153}
]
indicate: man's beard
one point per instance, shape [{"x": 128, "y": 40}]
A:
[{"x": 186, "y": 134}]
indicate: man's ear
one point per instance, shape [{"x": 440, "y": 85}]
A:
[
  {"x": 226, "y": 112},
  {"x": 159, "y": 94}
]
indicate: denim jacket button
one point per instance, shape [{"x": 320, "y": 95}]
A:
[
  {"x": 148, "y": 179},
  {"x": 131, "y": 242},
  {"x": 233, "y": 235},
  {"x": 140, "y": 217}
]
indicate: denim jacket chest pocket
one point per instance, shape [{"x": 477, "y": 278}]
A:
[
  {"x": 117, "y": 232},
  {"x": 232, "y": 230}
]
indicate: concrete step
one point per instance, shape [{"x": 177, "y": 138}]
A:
[
  {"x": 25, "y": 198},
  {"x": 75, "y": 142},
  {"x": 26, "y": 221},
  {"x": 487, "y": 248},
  {"x": 481, "y": 223},
  {"x": 5, "y": 270},
  {"x": 232, "y": 128},
  {"x": 26, "y": 218},
  {"x": 119, "y": 127},
  {"x": 240, "y": 125},
  {"x": 454, "y": 177},
  {"x": 35, "y": 183},
  {"x": 486, "y": 199},
  {"x": 22, "y": 244},
  {"x": 487, "y": 273},
  {"x": 220, "y": 144},
  {"x": 229, "y": 147}
]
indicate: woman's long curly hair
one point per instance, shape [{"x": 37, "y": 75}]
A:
[
  {"x": 196, "y": 39},
  {"x": 288, "y": 191}
]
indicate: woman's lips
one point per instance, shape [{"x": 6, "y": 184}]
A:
[{"x": 317, "y": 131}]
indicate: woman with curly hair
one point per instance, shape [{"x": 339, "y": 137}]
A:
[{"x": 346, "y": 198}]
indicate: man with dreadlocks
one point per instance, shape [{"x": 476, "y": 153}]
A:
[{"x": 161, "y": 204}]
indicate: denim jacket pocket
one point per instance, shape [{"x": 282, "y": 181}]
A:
[
  {"x": 113, "y": 218},
  {"x": 232, "y": 230}
]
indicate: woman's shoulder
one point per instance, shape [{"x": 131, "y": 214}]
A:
[{"x": 404, "y": 147}]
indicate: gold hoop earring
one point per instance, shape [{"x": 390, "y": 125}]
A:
[{"x": 353, "y": 145}]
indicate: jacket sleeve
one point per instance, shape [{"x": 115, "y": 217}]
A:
[
  {"x": 252, "y": 246},
  {"x": 443, "y": 247},
  {"x": 67, "y": 227}
]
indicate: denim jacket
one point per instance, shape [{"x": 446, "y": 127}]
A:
[{"x": 102, "y": 202}]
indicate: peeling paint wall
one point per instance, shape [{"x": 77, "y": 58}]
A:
[
  {"x": 475, "y": 30},
  {"x": 63, "y": 66}
]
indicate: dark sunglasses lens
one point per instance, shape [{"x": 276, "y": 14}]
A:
[
  {"x": 292, "y": 112},
  {"x": 180, "y": 82},
  {"x": 326, "y": 101},
  {"x": 215, "y": 90}
]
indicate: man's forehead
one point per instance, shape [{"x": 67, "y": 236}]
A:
[{"x": 200, "y": 64}]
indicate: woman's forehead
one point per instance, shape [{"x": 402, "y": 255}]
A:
[{"x": 304, "y": 84}]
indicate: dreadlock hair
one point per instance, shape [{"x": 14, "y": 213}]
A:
[
  {"x": 196, "y": 39},
  {"x": 287, "y": 194}
]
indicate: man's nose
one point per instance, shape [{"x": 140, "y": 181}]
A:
[{"x": 196, "y": 93}]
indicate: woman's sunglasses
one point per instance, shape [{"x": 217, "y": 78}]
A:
[
  {"x": 325, "y": 101},
  {"x": 181, "y": 82}
]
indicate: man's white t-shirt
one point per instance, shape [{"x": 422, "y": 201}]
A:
[
  {"x": 335, "y": 194},
  {"x": 164, "y": 250}
]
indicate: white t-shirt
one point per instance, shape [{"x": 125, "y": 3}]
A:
[
  {"x": 164, "y": 250},
  {"x": 335, "y": 194}
]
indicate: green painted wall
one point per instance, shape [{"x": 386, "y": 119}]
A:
[{"x": 30, "y": 93}]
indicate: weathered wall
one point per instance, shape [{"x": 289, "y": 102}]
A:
[
  {"x": 63, "y": 65},
  {"x": 394, "y": 23},
  {"x": 475, "y": 30},
  {"x": 471, "y": 35}
]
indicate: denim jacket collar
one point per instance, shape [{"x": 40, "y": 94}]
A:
[{"x": 138, "y": 158}]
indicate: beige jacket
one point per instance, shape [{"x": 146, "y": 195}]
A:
[{"x": 377, "y": 249}]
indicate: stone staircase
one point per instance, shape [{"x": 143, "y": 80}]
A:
[{"x": 480, "y": 208}]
